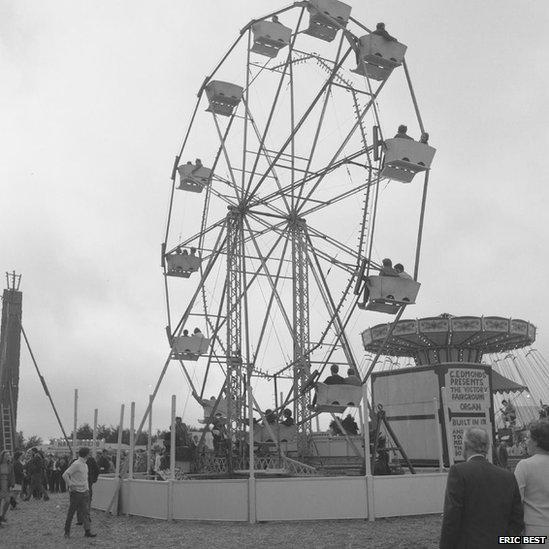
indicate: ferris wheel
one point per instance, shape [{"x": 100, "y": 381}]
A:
[{"x": 277, "y": 194}]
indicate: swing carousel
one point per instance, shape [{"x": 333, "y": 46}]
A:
[
  {"x": 273, "y": 209},
  {"x": 407, "y": 350}
]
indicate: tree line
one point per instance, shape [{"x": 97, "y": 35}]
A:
[{"x": 107, "y": 432}]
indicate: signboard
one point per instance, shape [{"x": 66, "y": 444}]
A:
[{"x": 468, "y": 403}]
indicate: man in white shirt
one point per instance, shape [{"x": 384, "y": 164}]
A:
[{"x": 76, "y": 479}]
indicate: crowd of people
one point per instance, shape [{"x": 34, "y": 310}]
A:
[{"x": 35, "y": 475}]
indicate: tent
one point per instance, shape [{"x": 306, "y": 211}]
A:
[{"x": 502, "y": 384}]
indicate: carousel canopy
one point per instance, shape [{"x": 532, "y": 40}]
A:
[{"x": 448, "y": 338}]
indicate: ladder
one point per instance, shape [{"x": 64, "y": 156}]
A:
[{"x": 7, "y": 434}]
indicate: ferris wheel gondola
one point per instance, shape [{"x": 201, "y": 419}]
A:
[{"x": 274, "y": 275}]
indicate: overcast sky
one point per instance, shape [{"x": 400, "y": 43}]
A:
[{"x": 94, "y": 100}]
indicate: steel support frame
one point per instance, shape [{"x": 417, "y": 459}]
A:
[
  {"x": 234, "y": 381},
  {"x": 301, "y": 367}
]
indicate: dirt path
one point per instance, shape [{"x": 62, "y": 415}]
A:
[{"x": 39, "y": 524}]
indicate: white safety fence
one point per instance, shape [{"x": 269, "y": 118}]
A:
[{"x": 275, "y": 499}]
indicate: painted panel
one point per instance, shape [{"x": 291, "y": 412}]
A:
[
  {"x": 407, "y": 398},
  {"x": 145, "y": 498},
  {"x": 210, "y": 500},
  {"x": 103, "y": 491},
  {"x": 311, "y": 498},
  {"x": 406, "y": 495}
]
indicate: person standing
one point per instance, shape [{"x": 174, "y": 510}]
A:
[
  {"x": 509, "y": 414},
  {"x": 7, "y": 481},
  {"x": 56, "y": 475},
  {"x": 26, "y": 492},
  {"x": 36, "y": 471},
  {"x": 482, "y": 501},
  {"x": 93, "y": 475},
  {"x": 76, "y": 479},
  {"x": 48, "y": 469},
  {"x": 62, "y": 465},
  {"x": 19, "y": 477},
  {"x": 105, "y": 464},
  {"x": 532, "y": 475}
]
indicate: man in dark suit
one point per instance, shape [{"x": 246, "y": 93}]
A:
[{"x": 482, "y": 501}]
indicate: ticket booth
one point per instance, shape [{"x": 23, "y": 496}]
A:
[{"x": 430, "y": 407}]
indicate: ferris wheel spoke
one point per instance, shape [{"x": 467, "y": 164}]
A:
[
  {"x": 218, "y": 248},
  {"x": 215, "y": 337},
  {"x": 245, "y": 100},
  {"x": 222, "y": 139},
  {"x": 189, "y": 380},
  {"x": 319, "y": 125},
  {"x": 348, "y": 137},
  {"x": 320, "y": 278},
  {"x": 413, "y": 96},
  {"x": 336, "y": 243},
  {"x": 321, "y": 172},
  {"x": 278, "y": 229},
  {"x": 335, "y": 342},
  {"x": 252, "y": 279},
  {"x": 273, "y": 106},
  {"x": 263, "y": 266},
  {"x": 263, "y": 149},
  {"x": 296, "y": 128},
  {"x": 336, "y": 199},
  {"x": 186, "y": 242},
  {"x": 421, "y": 220},
  {"x": 327, "y": 331},
  {"x": 269, "y": 306}
]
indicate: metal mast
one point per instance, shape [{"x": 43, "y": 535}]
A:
[
  {"x": 301, "y": 369},
  {"x": 10, "y": 347},
  {"x": 234, "y": 287}
]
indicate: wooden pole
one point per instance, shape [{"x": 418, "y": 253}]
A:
[
  {"x": 149, "y": 438},
  {"x": 367, "y": 456},
  {"x": 132, "y": 439},
  {"x": 276, "y": 392},
  {"x": 449, "y": 439},
  {"x": 251, "y": 483},
  {"x": 439, "y": 435},
  {"x": 361, "y": 421},
  {"x": 366, "y": 431},
  {"x": 94, "y": 441},
  {"x": 172, "y": 442},
  {"x": 489, "y": 455},
  {"x": 46, "y": 390},
  {"x": 119, "y": 449},
  {"x": 74, "y": 450}
]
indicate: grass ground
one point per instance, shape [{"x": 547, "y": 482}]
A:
[{"x": 40, "y": 524}]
